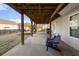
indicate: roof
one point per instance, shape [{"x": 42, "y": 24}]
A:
[
  {"x": 7, "y": 22},
  {"x": 40, "y": 13}
]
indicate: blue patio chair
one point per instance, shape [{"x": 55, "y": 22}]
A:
[{"x": 52, "y": 43}]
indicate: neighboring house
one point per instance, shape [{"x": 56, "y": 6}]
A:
[{"x": 6, "y": 25}]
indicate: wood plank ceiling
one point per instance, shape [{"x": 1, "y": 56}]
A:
[{"x": 40, "y": 13}]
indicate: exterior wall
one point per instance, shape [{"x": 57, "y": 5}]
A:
[
  {"x": 61, "y": 26},
  {"x": 10, "y": 27}
]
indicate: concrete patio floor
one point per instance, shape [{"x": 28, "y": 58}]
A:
[{"x": 34, "y": 46}]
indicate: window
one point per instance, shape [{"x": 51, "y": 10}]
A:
[{"x": 74, "y": 25}]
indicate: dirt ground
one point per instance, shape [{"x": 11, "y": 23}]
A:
[{"x": 8, "y": 41}]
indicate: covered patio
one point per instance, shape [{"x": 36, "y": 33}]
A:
[
  {"x": 39, "y": 13},
  {"x": 34, "y": 45}
]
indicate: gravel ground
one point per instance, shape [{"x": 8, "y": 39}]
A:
[{"x": 8, "y": 41}]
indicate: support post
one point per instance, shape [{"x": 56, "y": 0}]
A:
[
  {"x": 36, "y": 27},
  {"x": 22, "y": 28},
  {"x": 50, "y": 29},
  {"x": 31, "y": 27}
]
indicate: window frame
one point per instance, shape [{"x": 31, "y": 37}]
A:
[{"x": 70, "y": 26}]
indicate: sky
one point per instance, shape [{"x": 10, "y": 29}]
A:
[{"x": 8, "y": 13}]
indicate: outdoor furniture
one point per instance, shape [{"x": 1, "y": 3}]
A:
[{"x": 53, "y": 42}]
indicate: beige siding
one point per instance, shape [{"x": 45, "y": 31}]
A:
[{"x": 62, "y": 28}]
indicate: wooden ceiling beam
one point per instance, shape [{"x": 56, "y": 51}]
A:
[{"x": 57, "y": 9}]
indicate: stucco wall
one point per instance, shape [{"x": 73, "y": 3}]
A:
[{"x": 62, "y": 28}]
